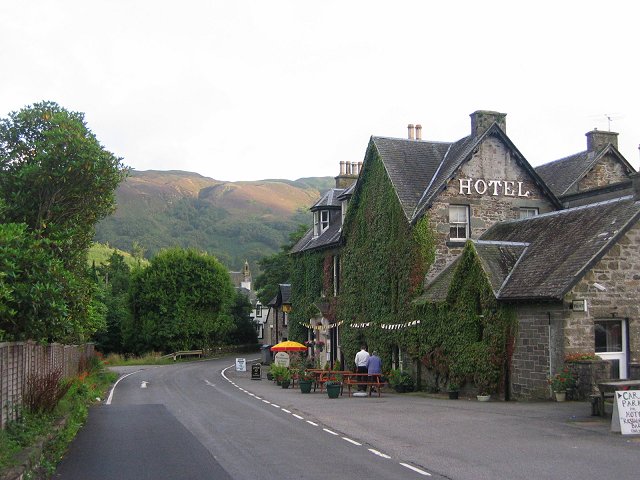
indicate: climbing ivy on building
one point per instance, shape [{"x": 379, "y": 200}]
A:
[
  {"x": 306, "y": 290},
  {"x": 469, "y": 337},
  {"x": 384, "y": 260}
]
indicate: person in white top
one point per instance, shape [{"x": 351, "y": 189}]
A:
[{"x": 362, "y": 362}]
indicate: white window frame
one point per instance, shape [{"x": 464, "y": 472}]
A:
[
  {"x": 324, "y": 220},
  {"x": 528, "y": 212},
  {"x": 316, "y": 224},
  {"x": 343, "y": 210},
  {"x": 258, "y": 310},
  {"x": 455, "y": 221}
]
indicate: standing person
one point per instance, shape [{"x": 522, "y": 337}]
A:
[
  {"x": 374, "y": 368},
  {"x": 362, "y": 360}
]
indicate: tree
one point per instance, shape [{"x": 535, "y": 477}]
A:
[
  {"x": 56, "y": 177},
  {"x": 180, "y": 301},
  {"x": 244, "y": 331},
  {"x": 276, "y": 269},
  {"x": 113, "y": 281},
  {"x": 56, "y": 182}
]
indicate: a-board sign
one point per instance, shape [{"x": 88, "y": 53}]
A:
[
  {"x": 241, "y": 365},
  {"x": 281, "y": 359},
  {"x": 256, "y": 371},
  {"x": 628, "y": 403}
]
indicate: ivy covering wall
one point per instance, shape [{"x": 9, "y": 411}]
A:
[
  {"x": 467, "y": 338},
  {"x": 383, "y": 264}
]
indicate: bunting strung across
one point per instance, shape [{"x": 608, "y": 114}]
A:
[
  {"x": 360, "y": 325},
  {"x": 398, "y": 326},
  {"x": 322, "y": 328}
]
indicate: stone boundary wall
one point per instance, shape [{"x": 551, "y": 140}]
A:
[{"x": 18, "y": 360}]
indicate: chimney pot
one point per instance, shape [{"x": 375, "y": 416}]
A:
[
  {"x": 410, "y": 127},
  {"x": 418, "y": 132},
  {"x": 481, "y": 120},
  {"x": 597, "y": 139}
]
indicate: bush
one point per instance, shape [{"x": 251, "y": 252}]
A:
[
  {"x": 401, "y": 381},
  {"x": 44, "y": 391}
]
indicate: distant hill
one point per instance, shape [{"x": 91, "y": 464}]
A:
[
  {"x": 100, "y": 254},
  {"x": 232, "y": 220}
]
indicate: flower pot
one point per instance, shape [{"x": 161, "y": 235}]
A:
[
  {"x": 333, "y": 390},
  {"x": 484, "y": 398},
  {"x": 305, "y": 386},
  {"x": 285, "y": 383},
  {"x": 561, "y": 396},
  {"x": 453, "y": 394}
]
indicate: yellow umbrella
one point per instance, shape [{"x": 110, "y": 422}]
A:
[{"x": 288, "y": 346}]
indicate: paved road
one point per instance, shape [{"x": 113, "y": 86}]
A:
[
  {"x": 233, "y": 427},
  {"x": 188, "y": 421}
]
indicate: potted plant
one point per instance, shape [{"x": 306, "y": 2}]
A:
[
  {"x": 400, "y": 381},
  {"x": 560, "y": 382},
  {"x": 278, "y": 372},
  {"x": 486, "y": 379},
  {"x": 305, "y": 380},
  {"x": 333, "y": 388},
  {"x": 285, "y": 378},
  {"x": 453, "y": 389}
]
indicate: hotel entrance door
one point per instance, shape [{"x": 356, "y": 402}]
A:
[{"x": 611, "y": 344}]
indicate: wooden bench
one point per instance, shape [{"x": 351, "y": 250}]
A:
[
  {"x": 183, "y": 353},
  {"x": 370, "y": 382},
  {"x": 608, "y": 389}
]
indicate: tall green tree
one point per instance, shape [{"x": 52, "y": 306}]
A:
[
  {"x": 276, "y": 269},
  {"x": 56, "y": 177},
  {"x": 180, "y": 301},
  {"x": 244, "y": 330},
  {"x": 56, "y": 182}
]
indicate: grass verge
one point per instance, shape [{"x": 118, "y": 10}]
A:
[{"x": 39, "y": 439}]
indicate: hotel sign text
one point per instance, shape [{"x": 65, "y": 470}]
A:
[{"x": 492, "y": 187}]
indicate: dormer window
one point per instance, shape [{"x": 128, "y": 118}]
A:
[
  {"x": 320, "y": 222},
  {"x": 324, "y": 220},
  {"x": 343, "y": 206}
]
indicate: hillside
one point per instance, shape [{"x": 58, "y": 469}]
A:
[{"x": 232, "y": 220}]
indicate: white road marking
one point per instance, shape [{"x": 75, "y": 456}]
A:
[
  {"x": 380, "y": 454},
  {"x": 209, "y": 383},
  {"x": 116, "y": 384},
  {"x": 298, "y": 417},
  {"x": 286, "y": 411},
  {"x": 329, "y": 431},
  {"x": 143, "y": 384},
  {"x": 257, "y": 397},
  {"x": 274, "y": 405},
  {"x": 417, "y": 470},
  {"x": 352, "y": 441},
  {"x": 312, "y": 423},
  {"x": 266, "y": 401}
]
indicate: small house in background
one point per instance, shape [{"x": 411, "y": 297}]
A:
[
  {"x": 277, "y": 320},
  {"x": 242, "y": 281}
]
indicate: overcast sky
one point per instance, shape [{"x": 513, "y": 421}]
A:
[{"x": 247, "y": 90}]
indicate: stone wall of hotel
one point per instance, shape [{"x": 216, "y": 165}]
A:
[
  {"x": 538, "y": 350},
  {"x": 619, "y": 272},
  {"x": 606, "y": 172},
  {"x": 492, "y": 161}
]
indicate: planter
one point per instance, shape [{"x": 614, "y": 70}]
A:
[
  {"x": 333, "y": 390},
  {"x": 453, "y": 394},
  {"x": 484, "y": 398},
  {"x": 561, "y": 396},
  {"x": 285, "y": 383},
  {"x": 305, "y": 386}
]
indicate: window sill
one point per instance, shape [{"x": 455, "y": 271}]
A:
[{"x": 455, "y": 243}]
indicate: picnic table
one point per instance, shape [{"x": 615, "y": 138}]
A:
[{"x": 608, "y": 388}]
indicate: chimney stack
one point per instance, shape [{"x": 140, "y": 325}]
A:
[
  {"x": 418, "y": 132},
  {"x": 598, "y": 139},
  {"x": 411, "y": 130},
  {"x": 481, "y": 120}
]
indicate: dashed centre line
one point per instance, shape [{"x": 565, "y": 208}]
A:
[{"x": 347, "y": 439}]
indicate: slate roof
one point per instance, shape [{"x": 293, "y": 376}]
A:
[
  {"x": 560, "y": 175},
  {"x": 327, "y": 239},
  {"x": 419, "y": 170},
  {"x": 329, "y": 199},
  {"x": 283, "y": 296},
  {"x": 562, "y": 246}
]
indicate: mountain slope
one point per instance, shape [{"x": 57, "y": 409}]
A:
[{"x": 232, "y": 220}]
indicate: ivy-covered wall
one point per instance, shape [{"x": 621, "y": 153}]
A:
[
  {"x": 469, "y": 338},
  {"x": 383, "y": 264},
  {"x": 306, "y": 289}
]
